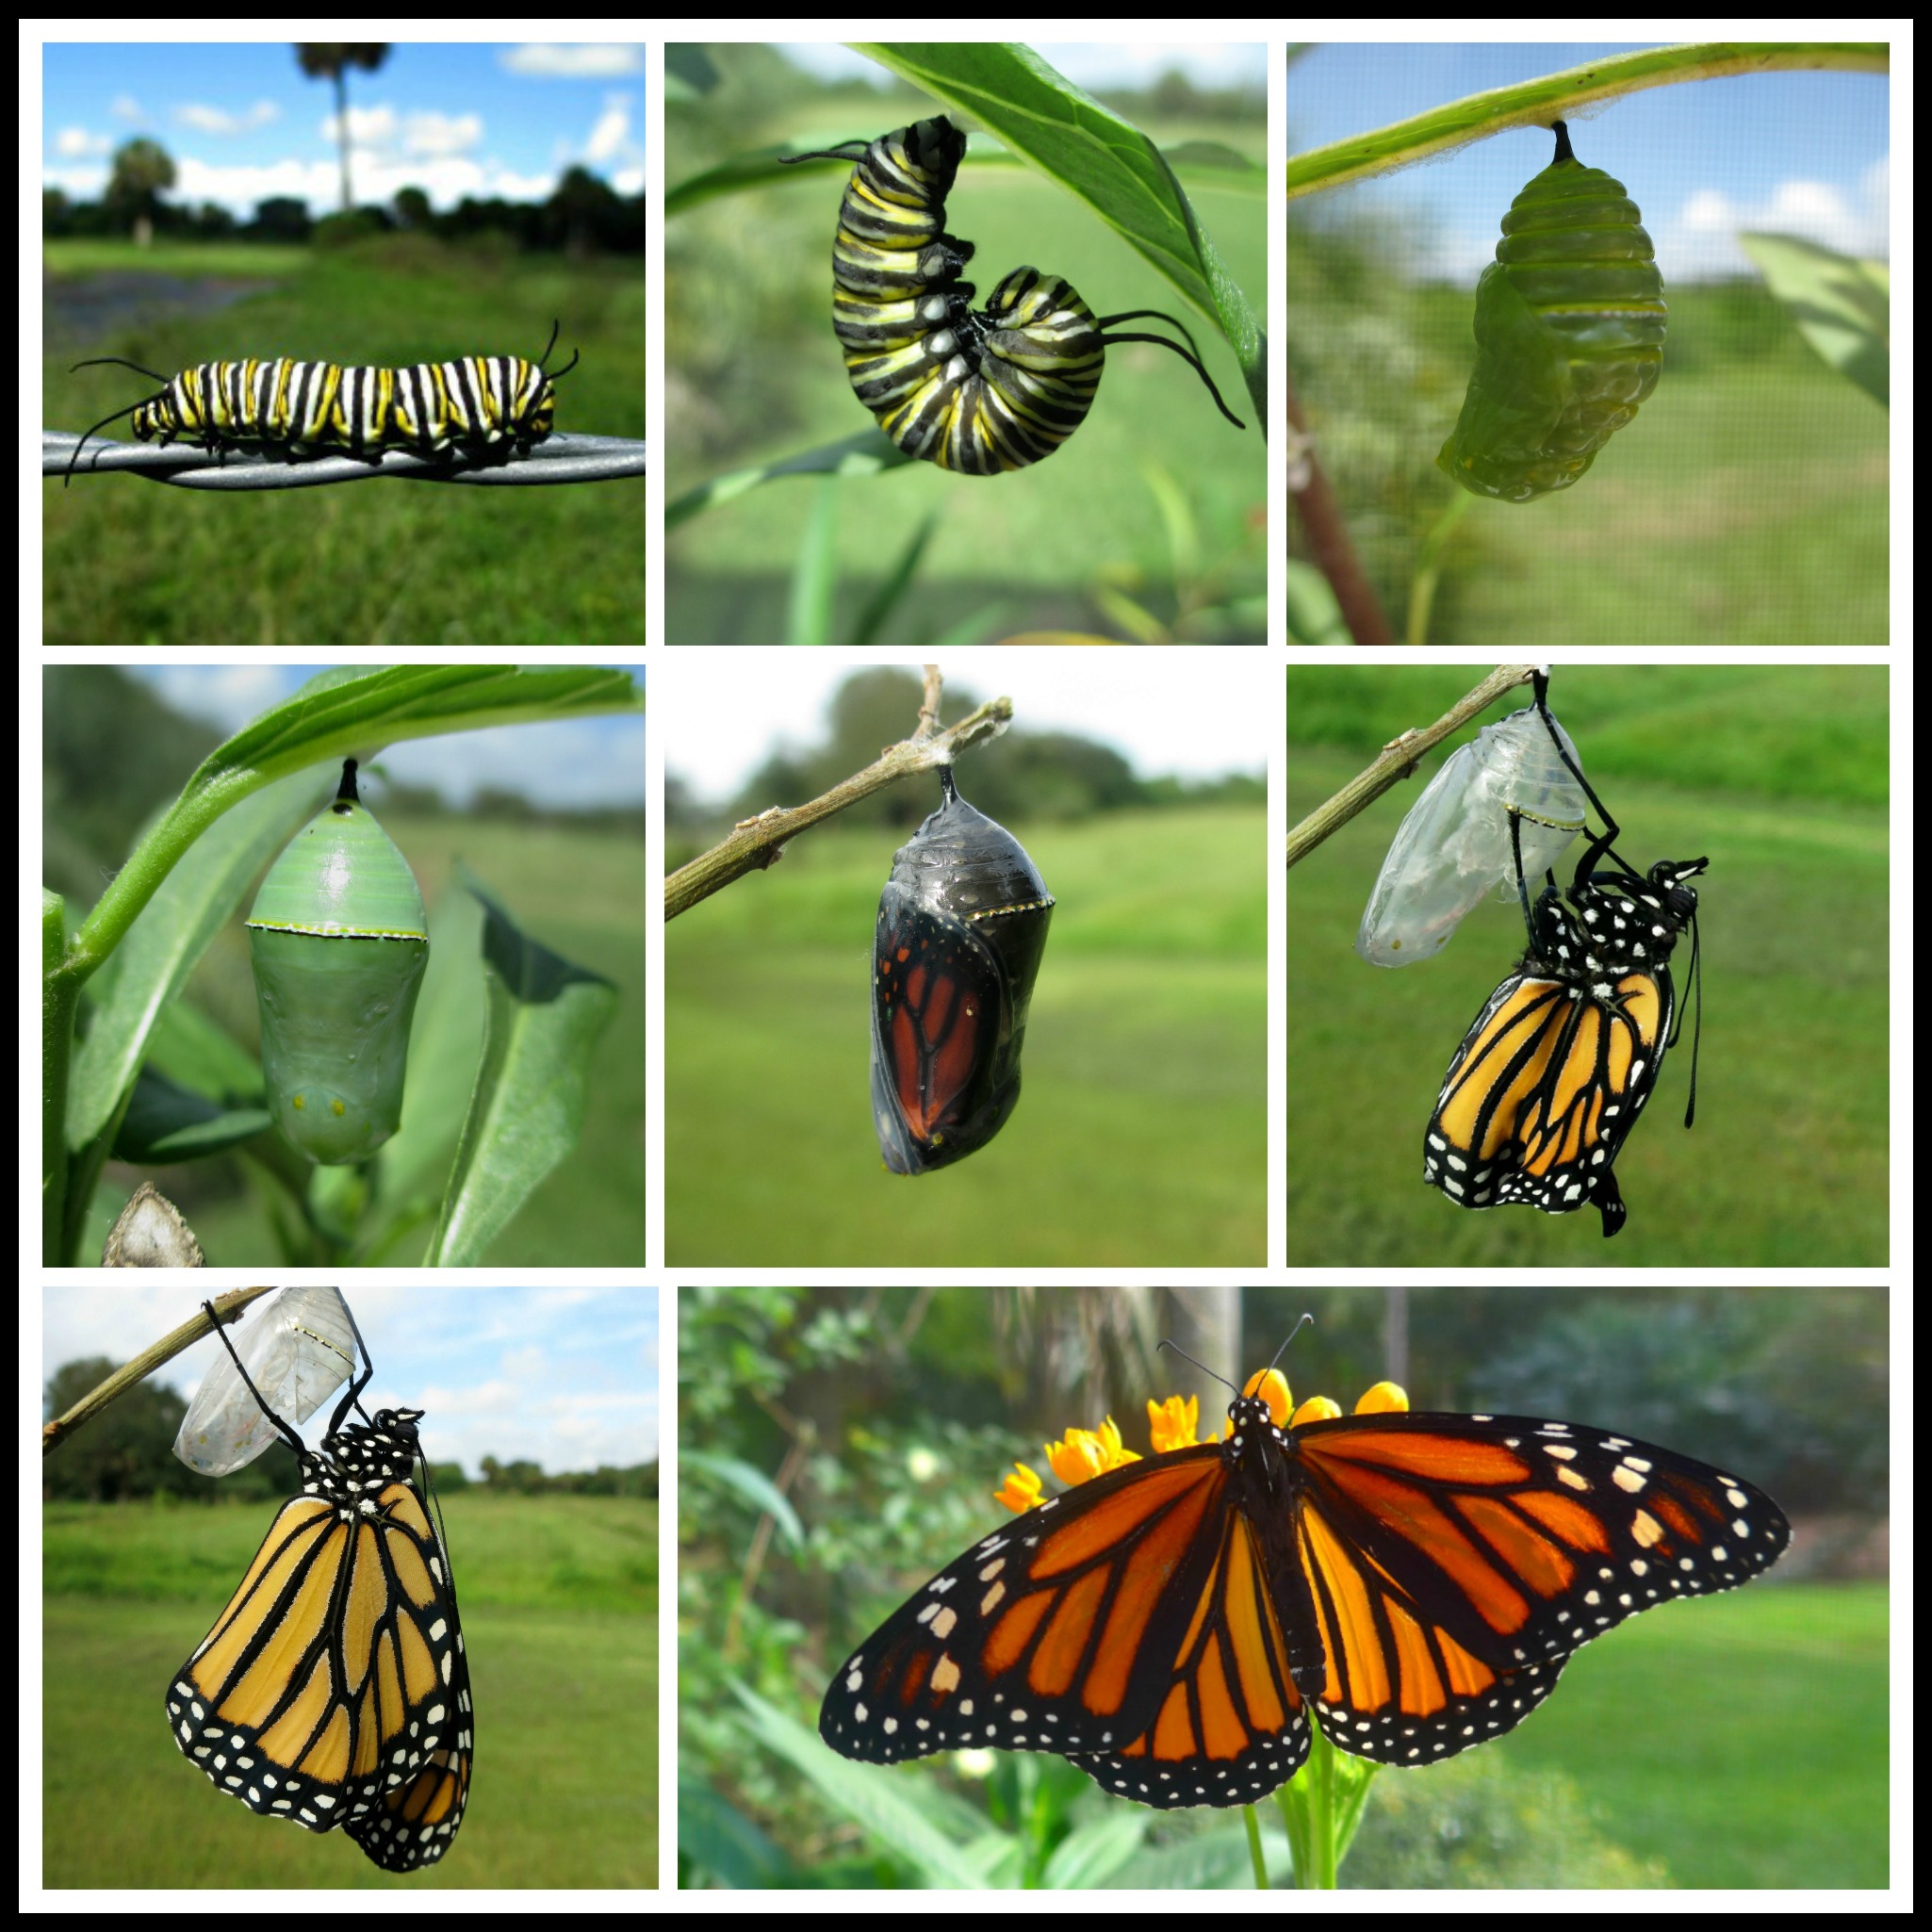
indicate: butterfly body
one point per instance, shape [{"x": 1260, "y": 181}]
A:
[
  {"x": 1416, "y": 1582},
  {"x": 333, "y": 1690},
  {"x": 1553, "y": 1071}
]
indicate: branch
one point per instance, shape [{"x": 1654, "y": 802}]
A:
[
  {"x": 756, "y": 842},
  {"x": 1397, "y": 759}
]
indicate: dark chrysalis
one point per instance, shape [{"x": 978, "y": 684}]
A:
[
  {"x": 1569, "y": 336},
  {"x": 339, "y": 941},
  {"x": 978, "y": 391},
  {"x": 961, "y": 927}
]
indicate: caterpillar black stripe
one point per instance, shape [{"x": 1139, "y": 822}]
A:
[
  {"x": 478, "y": 405},
  {"x": 974, "y": 390}
]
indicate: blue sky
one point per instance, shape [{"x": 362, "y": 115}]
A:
[
  {"x": 1189, "y": 712},
  {"x": 566, "y": 1377},
  {"x": 583, "y": 763},
  {"x": 242, "y": 122},
  {"x": 1797, "y": 154}
]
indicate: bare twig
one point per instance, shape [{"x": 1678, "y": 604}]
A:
[
  {"x": 1322, "y": 517},
  {"x": 56, "y": 1431},
  {"x": 756, "y": 842},
  {"x": 1398, "y": 761},
  {"x": 930, "y": 706}
]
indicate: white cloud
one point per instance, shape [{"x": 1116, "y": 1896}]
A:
[
  {"x": 78, "y": 145},
  {"x": 219, "y": 121},
  {"x": 613, "y": 60},
  {"x": 1700, "y": 239}
]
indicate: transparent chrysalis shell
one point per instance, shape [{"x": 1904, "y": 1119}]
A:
[
  {"x": 298, "y": 1350},
  {"x": 339, "y": 941},
  {"x": 1454, "y": 845}
]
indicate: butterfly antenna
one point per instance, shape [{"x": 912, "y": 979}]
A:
[
  {"x": 1307, "y": 1321},
  {"x": 1184, "y": 1356}
]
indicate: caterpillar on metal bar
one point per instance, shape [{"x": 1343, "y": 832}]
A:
[
  {"x": 339, "y": 941},
  {"x": 481, "y": 406},
  {"x": 1569, "y": 336},
  {"x": 961, "y": 928},
  {"x": 974, "y": 391}
]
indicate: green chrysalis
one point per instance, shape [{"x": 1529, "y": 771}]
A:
[
  {"x": 1569, "y": 336},
  {"x": 339, "y": 941}
]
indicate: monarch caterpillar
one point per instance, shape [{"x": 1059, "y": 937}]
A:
[
  {"x": 975, "y": 391},
  {"x": 1415, "y": 1583},
  {"x": 1456, "y": 841},
  {"x": 477, "y": 406},
  {"x": 338, "y": 939},
  {"x": 1553, "y": 1071},
  {"x": 300, "y": 1349},
  {"x": 1569, "y": 336},
  {"x": 961, "y": 928},
  {"x": 333, "y": 1690}
]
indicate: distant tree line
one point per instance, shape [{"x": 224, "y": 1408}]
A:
[
  {"x": 127, "y": 1452},
  {"x": 581, "y": 215}
]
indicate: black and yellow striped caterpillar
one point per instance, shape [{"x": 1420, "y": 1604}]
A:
[
  {"x": 480, "y": 405},
  {"x": 975, "y": 391}
]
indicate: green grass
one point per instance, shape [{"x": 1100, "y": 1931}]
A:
[
  {"x": 1749, "y": 504},
  {"x": 1140, "y": 1135},
  {"x": 560, "y": 1602},
  {"x": 756, "y": 374},
  {"x": 128, "y": 563},
  {"x": 1744, "y": 1740},
  {"x": 1787, "y": 1163}
]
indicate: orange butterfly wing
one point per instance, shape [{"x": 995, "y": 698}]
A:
[{"x": 1419, "y": 1580}]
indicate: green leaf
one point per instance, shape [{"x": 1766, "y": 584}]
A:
[
  {"x": 1098, "y": 159},
  {"x": 1843, "y": 305},
  {"x": 906, "y": 1815},
  {"x": 545, "y": 1017},
  {"x": 164, "y": 1123},
  {"x": 196, "y": 898},
  {"x": 752, "y": 1484}
]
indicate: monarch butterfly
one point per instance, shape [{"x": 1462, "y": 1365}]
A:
[
  {"x": 300, "y": 1349},
  {"x": 977, "y": 392},
  {"x": 333, "y": 1690},
  {"x": 1456, "y": 841},
  {"x": 1417, "y": 1581},
  {"x": 961, "y": 928},
  {"x": 339, "y": 941},
  {"x": 1553, "y": 1071},
  {"x": 481, "y": 405},
  {"x": 1569, "y": 336}
]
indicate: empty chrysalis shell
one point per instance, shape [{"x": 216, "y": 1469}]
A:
[
  {"x": 339, "y": 941},
  {"x": 1455, "y": 844},
  {"x": 298, "y": 1352}
]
